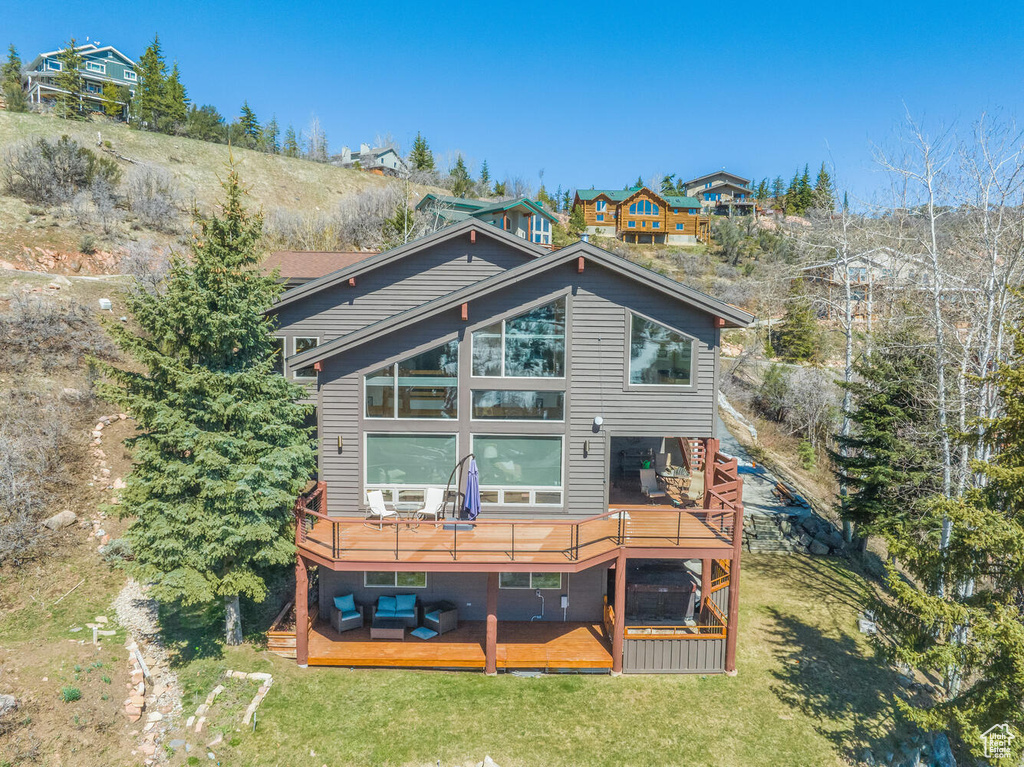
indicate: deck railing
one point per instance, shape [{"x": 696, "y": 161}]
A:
[
  {"x": 719, "y": 574},
  {"x": 711, "y": 625}
]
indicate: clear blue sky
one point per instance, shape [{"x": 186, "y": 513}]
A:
[{"x": 592, "y": 97}]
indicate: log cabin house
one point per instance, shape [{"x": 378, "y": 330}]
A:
[
  {"x": 584, "y": 389},
  {"x": 640, "y": 215}
]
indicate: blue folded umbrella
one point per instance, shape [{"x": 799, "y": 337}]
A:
[{"x": 471, "y": 504}]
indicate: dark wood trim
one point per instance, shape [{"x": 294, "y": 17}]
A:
[
  {"x": 619, "y": 632},
  {"x": 491, "y": 641},
  {"x": 301, "y": 611}
]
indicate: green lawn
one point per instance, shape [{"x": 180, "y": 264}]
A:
[{"x": 809, "y": 692}]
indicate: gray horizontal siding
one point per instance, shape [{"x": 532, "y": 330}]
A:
[
  {"x": 673, "y": 656},
  {"x": 595, "y": 383},
  {"x": 721, "y": 600}
]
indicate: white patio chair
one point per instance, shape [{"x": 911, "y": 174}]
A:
[
  {"x": 433, "y": 505},
  {"x": 649, "y": 485},
  {"x": 661, "y": 464},
  {"x": 377, "y": 508}
]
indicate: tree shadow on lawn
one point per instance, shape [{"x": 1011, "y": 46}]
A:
[{"x": 846, "y": 688}]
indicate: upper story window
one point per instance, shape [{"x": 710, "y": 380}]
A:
[
  {"x": 496, "y": 404},
  {"x": 530, "y": 345},
  {"x": 54, "y": 65},
  {"x": 643, "y": 208},
  {"x": 519, "y": 469},
  {"x": 300, "y": 345},
  {"x": 600, "y": 206},
  {"x": 658, "y": 356},
  {"x": 278, "y": 346},
  {"x": 129, "y": 75},
  {"x": 96, "y": 66},
  {"x": 403, "y": 465},
  {"x": 423, "y": 386},
  {"x": 541, "y": 230},
  {"x": 599, "y": 216},
  {"x": 707, "y": 185}
]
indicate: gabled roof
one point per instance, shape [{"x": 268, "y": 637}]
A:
[
  {"x": 311, "y": 264},
  {"x": 480, "y": 207},
  {"x": 528, "y": 249},
  {"x": 89, "y": 48},
  {"x": 722, "y": 172},
  {"x": 719, "y": 185},
  {"x": 733, "y": 316},
  {"x": 621, "y": 195}
]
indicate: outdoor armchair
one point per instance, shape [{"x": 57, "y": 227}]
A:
[
  {"x": 377, "y": 510},
  {"x": 346, "y": 614}
]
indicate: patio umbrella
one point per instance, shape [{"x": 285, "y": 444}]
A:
[{"x": 471, "y": 505}]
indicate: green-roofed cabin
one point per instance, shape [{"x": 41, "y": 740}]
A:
[
  {"x": 101, "y": 65},
  {"x": 522, "y": 216},
  {"x": 641, "y": 216}
]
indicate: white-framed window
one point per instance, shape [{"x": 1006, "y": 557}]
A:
[
  {"x": 96, "y": 66},
  {"x": 509, "y": 405},
  {"x": 541, "y": 229},
  {"x": 93, "y": 88},
  {"x": 54, "y": 65},
  {"x": 644, "y": 208},
  {"x": 529, "y": 580},
  {"x": 600, "y": 206},
  {"x": 425, "y": 385},
  {"x": 384, "y": 579},
  {"x": 599, "y": 217},
  {"x": 529, "y": 345},
  {"x": 130, "y": 75},
  {"x": 658, "y": 355},
  {"x": 679, "y": 227},
  {"x": 299, "y": 345},
  {"x": 656, "y": 224},
  {"x": 519, "y": 469},
  {"x": 402, "y": 465}
]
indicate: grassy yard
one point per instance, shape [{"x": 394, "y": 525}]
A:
[{"x": 809, "y": 692}]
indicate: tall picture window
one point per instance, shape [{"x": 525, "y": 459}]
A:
[
  {"x": 658, "y": 355},
  {"x": 519, "y": 469},
  {"x": 527, "y": 346},
  {"x": 423, "y": 386},
  {"x": 403, "y": 465}
]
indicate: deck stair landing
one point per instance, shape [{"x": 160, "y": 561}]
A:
[{"x": 763, "y": 535}]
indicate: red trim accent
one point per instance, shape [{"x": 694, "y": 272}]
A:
[
  {"x": 351, "y": 282},
  {"x": 579, "y": 265},
  {"x": 316, "y": 367},
  {"x": 719, "y": 322},
  {"x": 465, "y": 312},
  {"x": 472, "y": 236}
]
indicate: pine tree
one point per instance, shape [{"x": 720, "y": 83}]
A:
[
  {"x": 668, "y": 184},
  {"x": 500, "y": 189},
  {"x": 421, "y": 158},
  {"x": 824, "y": 193},
  {"x": 566, "y": 200},
  {"x": 961, "y": 611},
  {"x": 69, "y": 83},
  {"x": 149, "y": 103},
  {"x": 115, "y": 99},
  {"x": 545, "y": 199},
  {"x": 779, "y": 193},
  {"x": 269, "y": 137},
  {"x": 798, "y": 338},
  {"x": 10, "y": 82},
  {"x": 485, "y": 176},
  {"x": 762, "y": 190},
  {"x": 459, "y": 180},
  {"x": 639, "y": 183},
  {"x": 400, "y": 228},
  {"x": 577, "y": 221},
  {"x": 222, "y": 451},
  {"x": 249, "y": 125},
  {"x": 290, "y": 146},
  {"x": 887, "y": 462},
  {"x": 805, "y": 192},
  {"x": 204, "y": 123},
  {"x": 175, "y": 102}
]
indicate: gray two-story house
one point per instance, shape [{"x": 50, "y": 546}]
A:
[{"x": 519, "y": 446}]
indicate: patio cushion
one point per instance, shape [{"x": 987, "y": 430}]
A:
[
  {"x": 423, "y": 633},
  {"x": 348, "y": 615},
  {"x": 404, "y": 613},
  {"x": 345, "y": 604},
  {"x": 405, "y": 602},
  {"x": 433, "y": 616},
  {"x": 386, "y": 605}
]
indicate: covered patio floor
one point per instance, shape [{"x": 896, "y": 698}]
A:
[{"x": 544, "y": 645}]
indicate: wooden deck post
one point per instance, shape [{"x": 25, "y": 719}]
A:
[
  {"x": 491, "y": 642},
  {"x": 301, "y": 612},
  {"x": 733, "y": 618},
  {"x": 620, "y": 612},
  {"x": 705, "y": 579}
]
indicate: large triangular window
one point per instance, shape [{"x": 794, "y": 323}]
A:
[{"x": 658, "y": 355}]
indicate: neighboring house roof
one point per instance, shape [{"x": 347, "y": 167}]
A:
[
  {"x": 478, "y": 208},
  {"x": 621, "y": 195},
  {"x": 528, "y": 249},
  {"x": 89, "y": 48},
  {"x": 733, "y": 316},
  {"x": 718, "y": 186},
  {"x": 716, "y": 173},
  {"x": 311, "y": 264}
]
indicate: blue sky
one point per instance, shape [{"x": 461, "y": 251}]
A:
[{"x": 591, "y": 94}]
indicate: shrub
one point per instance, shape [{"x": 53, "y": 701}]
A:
[
  {"x": 807, "y": 455},
  {"x": 148, "y": 263},
  {"x": 87, "y": 244},
  {"x": 770, "y": 400},
  {"x": 70, "y": 694},
  {"x": 117, "y": 551},
  {"x": 52, "y": 172},
  {"x": 153, "y": 196}
]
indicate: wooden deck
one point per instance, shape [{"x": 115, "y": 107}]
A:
[
  {"x": 520, "y": 541},
  {"x": 544, "y": 645}
]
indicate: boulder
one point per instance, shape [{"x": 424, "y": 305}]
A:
[
  {"x": 61, "y": 520},
  {"x": 818, "y": 548},
  {"x": 7, "y": 704},
  {"x": 942, "y": 754}
]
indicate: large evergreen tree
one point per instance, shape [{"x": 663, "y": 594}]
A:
[
  {"x": 149, "y": 104},
  {"x": 798, "y": 338},
  {"x": 269, "y": 137},
  {"x": 204, "y": 123},
  {"x": 10, "y": 82},
  {"x": 290, "y": 146},
  {"x": 175, "y": 102},
  {"x": 888, "y": 461},
  {"x": 421, "y": 158},
  {"x": 485, "y": 178},
  {"x": 68, "y": 81},
  {"x": 459, "y": 180},
  {"x": 824, "y": 193},
  {"x": 250, "y": 126},
  {"x": 221, "y": 451}
]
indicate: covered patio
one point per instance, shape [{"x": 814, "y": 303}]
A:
[{"x": 545, "y": 646}]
